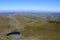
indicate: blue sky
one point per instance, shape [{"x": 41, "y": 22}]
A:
[{"x": 39, "y": 5}]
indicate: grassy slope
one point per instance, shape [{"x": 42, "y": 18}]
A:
[
  {"x": 5, "y": 27},
  {"x": 36, "y": 28},
  {"x": 40, "y": 28},
  {"x": 45, "y": 32}
]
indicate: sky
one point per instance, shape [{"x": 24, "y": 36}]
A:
[{"x": 30, "y": 5}]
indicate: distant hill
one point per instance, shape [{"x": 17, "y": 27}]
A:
[
  {"x": 6, "y": 13},
  {"x": 54, "y": 16}
]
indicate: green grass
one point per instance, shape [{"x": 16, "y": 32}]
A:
[
  {"x": 45, "y": 32},
  {"x": 37, "y": 28}
]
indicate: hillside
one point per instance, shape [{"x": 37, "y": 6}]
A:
[{"x": 30, "y": 26}]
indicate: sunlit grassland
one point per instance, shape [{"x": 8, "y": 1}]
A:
[{"x": 29, "y": 28}]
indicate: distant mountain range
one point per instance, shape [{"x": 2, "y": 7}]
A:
[{"x": 44, "y": 15}]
